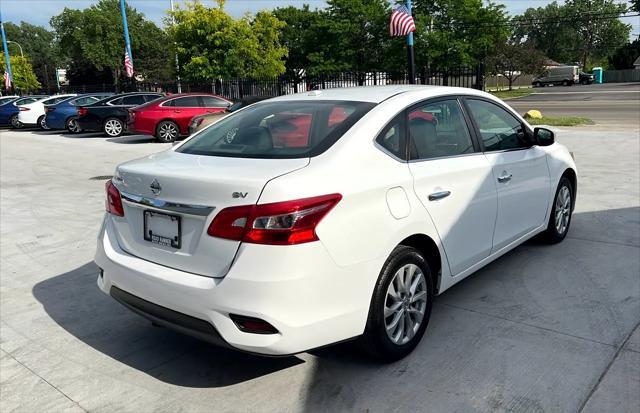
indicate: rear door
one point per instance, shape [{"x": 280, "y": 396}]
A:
[
  {"x": 520, "y": 170},
  {"x": 182, "y": 110},
  {"x": 453, "y": 180}
]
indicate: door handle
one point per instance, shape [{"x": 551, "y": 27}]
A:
[
  {"x": 439, "y": 195},
  {"x": 505, "y": 178},
  {"x": 177, "y": 111}
]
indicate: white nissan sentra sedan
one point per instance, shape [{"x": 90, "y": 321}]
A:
[{"x": 313, "y": 218}]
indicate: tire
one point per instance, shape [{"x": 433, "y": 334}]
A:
[
  {"x": 14, "y": 122},
  {"x": 557, "y": 230},
  {"x": 167, "y": 131},
  {"x": 42, "y": 124},
  {"x": 565, "y": 83},
  {"x": 537, "y": 84},
  {"x": 113, "y": 127},
  {"x": 411, "y": 307},
  {"x": 72, "y": 125}
]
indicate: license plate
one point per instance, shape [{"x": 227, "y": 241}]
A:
[{"x": 162, "y": 229}]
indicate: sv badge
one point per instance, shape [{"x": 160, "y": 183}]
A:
[{"x": 239, "y": 194}]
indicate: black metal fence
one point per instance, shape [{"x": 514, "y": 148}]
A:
[{"x": 469, "y": 77}]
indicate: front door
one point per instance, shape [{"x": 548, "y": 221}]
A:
[
  {"x": 520, "y": 171},
  {"x": 453, "y": 180}
]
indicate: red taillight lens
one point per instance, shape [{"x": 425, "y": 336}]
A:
[
  {"x": 82, "y": 111},
  {"x": 49, "y": 109},
  {"x": 280, "y": 223},
  {"x": 23, "y": 109},
  {"x": 113, "y": 203}
]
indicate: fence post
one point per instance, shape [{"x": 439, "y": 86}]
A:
[{"x": 480, "y": 76}]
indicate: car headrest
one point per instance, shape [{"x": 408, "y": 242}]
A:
[{"x": 258, "y": 137}]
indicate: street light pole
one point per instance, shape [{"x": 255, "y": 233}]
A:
[
  {"x": 18, "y": 44},
  {"x": 173, "y": 19}
]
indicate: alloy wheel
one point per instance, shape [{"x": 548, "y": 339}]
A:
[
  {"x": 15, "y": 122},
  {"x": 563, "y": 209},
  {"x": 113, "y": 127},
  {"x": 168, "y": 132},
  {"x": 405, "y": 304},
  {"x": 43, "y": 123},
  {"x": 73, "y": 126}
]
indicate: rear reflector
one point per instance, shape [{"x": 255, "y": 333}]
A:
[
  {"x": 82, "y": 111},
  {"x": 252, "y": 325},
  {"x": 49, "y": 109},
  {"x": 113, "y": 203},
  {"x": 279, "y": 223}
]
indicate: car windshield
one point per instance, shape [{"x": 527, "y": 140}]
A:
[{"x": 286, "y": 129}]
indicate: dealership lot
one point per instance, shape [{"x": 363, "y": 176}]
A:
[{"x": 542, "y": 329}]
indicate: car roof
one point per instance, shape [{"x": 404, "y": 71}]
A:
[
  {"x": 375, "y": 94},
  {"x": 134, "y": 94}
]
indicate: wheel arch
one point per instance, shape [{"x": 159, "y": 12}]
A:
[
  {"x": 429, "y": 249},
  {"x": 167, "y": 120}
]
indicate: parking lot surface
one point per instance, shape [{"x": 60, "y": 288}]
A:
[{"x": 543, "y": 329}]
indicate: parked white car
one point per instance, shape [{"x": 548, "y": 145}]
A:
[
  {"x": 309, "y": 219},
  {"x": 33, "y": 114}
]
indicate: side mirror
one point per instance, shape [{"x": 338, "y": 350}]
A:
[{"x": 544, "y": 136}]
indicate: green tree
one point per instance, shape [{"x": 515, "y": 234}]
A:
[
  {"x": 635, "y": 5},
  {"x": 211, "y": 44},
  {"x": 300, "y": 36},
  {"x": 578, "y": 31},
  {"x": 38, "y": 46},
  {"x": 625, "y": 56},
  {"x": 513, "y": 59},
  {"x": 95, "y": 35},
  {"x": 23, "y": 76},
  {"x": 599, "y": 31},
  {"x": 458, "y": 32}
]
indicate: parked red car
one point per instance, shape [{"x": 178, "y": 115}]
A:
[{"x": 169, "y": 117}]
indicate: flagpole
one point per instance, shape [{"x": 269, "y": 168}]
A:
[
  {"x": 6, "y": 51},
  {"x": 127, "y": 41},
  {"x": 410, "y": 58}
]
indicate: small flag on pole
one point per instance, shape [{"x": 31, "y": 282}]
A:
[
  {"x": 401, "y": 22},
  {"x": 7, "y": 80},
  {"x": 128, "y": 65}
]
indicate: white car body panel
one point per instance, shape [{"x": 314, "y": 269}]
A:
[
  {"x": 37, "y": 109},
  {"x": 319, "y": 292}
]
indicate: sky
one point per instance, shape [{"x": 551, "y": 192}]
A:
[{"x": 40, "y": 11}]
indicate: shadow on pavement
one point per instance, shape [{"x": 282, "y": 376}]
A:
[
  {"x": 74, "y": 301},
  {"x": 133, "y": 139},
  {"x": 540, "y": 316}
]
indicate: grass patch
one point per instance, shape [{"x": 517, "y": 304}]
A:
[
  {"x": 561, "y": 121},
  {"x": 511, "y": 94}
]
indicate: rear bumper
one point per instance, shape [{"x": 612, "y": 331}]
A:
[{"x": 299, "y": 290}]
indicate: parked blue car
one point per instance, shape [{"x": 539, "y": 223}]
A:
[
  {"x": 9, "y": 110},
  {"x": 63, "y": 115}
]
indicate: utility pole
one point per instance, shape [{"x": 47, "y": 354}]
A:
[
  {"x": 410, "y": 57},
  {"x": 173, "y": 19}
]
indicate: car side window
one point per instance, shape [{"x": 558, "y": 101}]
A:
[
  {"x": 133, "y": 100},
  {"x": 438, "y": 129},
  {"x": 392, "y": 138},
  {"x": 499, "y": 129},
  {"x": 149, "y": 98},
  {"x": 213, "y": 102},
  {"x": 115, "y": 102},
  {"x": 186, "y": 102}
]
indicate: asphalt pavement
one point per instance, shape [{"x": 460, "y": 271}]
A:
[
  {"x": 614, "y": 104},
  {"x": 543, "y": 329}
]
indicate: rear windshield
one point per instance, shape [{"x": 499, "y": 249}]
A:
[{"x": 289, "y": 129}]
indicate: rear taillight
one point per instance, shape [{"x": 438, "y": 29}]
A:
[
  {"x": 48, "y": 110},
  {"x": 280, "y": 223},
  {"x": 113, "y": 202},
  {"x": 24, "y": 109},
  {"x": 132, "y": 115},
  {"x": 82, "y": 111},
  {"x": 199, "y": 121}
]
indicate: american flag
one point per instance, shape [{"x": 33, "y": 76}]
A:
[
  {"x": 7, "y": 80},
  {"x": 128, "y": 64},
  {"x": 401, "y": 22}
]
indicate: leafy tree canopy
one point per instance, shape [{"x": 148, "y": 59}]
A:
[
  {"x": 584, "y": 31},
  {"x": 211, "y": 44},
  {"x": 38, "y": 46},
  {"x": 625, "y": 56},
  {"x": 95, "y": 35},
  {"x": 23, "y": 76}
]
